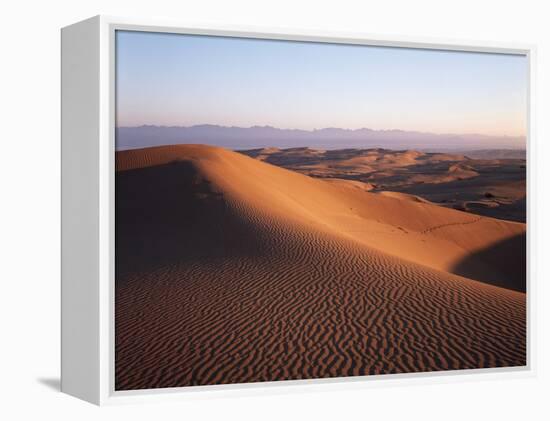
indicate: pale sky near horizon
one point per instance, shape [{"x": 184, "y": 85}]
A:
[{"x": 184, "y": 80}]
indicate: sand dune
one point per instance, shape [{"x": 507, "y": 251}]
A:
[{"x": 233, "y": 270}]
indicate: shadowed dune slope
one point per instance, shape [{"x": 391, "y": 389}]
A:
[{"x": 232, "y": 270}]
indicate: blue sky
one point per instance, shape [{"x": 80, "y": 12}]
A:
[{"x": 170, "y": 79}]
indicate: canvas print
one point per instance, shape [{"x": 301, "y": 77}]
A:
[{"x": 304, "y": 210}]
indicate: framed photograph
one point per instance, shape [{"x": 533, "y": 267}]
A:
[{"x": 245, "y": 208}]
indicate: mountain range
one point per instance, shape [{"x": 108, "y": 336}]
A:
[{"x": 239, "y": 138}]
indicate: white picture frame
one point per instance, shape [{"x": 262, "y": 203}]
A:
[{"x": 88, "y": 131}]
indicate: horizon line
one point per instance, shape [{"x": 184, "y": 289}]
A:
[{"x": 313, "y": 130}]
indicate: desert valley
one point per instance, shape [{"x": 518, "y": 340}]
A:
[
  {"x": 275, "y": 264},
  {"x": 490, "y": 183}
]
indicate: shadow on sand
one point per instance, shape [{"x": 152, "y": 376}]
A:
[{"x": 508, "y": 255}]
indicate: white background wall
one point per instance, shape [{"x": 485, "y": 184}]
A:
[{"x": 29, "y": 211}]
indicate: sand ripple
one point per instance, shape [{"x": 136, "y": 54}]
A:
[{"x": 289, "y": 300}]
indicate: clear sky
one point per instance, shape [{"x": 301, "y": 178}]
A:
[{"x": 183, "y": 80}]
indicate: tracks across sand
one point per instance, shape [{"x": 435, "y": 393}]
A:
[{"x": 451, "y": 224}]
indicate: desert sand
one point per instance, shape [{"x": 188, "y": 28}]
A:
[
  {"x": 487, "y": 183},
  {"x": 230, "y": 270}
]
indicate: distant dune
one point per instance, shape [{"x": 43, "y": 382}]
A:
[
  {"x": 230, "y": 270},
  {"x": 494, "y": 186},
  {"x": 497, "y": 154}
]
